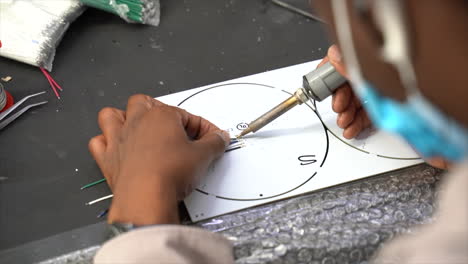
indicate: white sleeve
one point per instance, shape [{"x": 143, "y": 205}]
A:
[{"x": 166, "y": 244}]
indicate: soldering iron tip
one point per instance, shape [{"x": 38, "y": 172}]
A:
[{"x": 243, "y": 133}]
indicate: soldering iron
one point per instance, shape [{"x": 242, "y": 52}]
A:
[{"x": 317, "y": 85}]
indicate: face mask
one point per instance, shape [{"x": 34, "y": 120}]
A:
[
  {"x": 421, "y": 124},
  {"x": 418, "y": 122}
]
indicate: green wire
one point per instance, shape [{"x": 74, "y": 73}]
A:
[
  {"x": 93, "y": 183},
  {"x": 135, "y": 7}
]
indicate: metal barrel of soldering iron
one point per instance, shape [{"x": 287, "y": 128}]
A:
[
  {"x": 317, "y": 85},
  {"x": 322, "y": 82}
]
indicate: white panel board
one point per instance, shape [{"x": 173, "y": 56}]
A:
[{"x": 300, "y": 152}]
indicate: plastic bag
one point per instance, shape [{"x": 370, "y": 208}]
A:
[{"x": 31, "y": 30}]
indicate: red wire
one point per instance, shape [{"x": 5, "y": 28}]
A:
[
  {"x": 56, "y": 84},
  {"x": 48, "y": 76},
  {"x": 49, "y": 79}
]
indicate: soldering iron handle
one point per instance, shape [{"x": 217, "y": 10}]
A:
[{"x": 322, "y": 82}]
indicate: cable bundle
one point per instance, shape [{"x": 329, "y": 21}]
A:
[
  {"x": 140, "y": 11},
  {"x": 31, "y": 30}
]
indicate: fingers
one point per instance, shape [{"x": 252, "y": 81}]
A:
[
  {"x": 351, "y": 116},
  {"x": 195, "y": 126},
  {"x": 208, "y": 138},
  {"x": 439, "y": 163},
  {"x": 139, "y": 104},
  {"x": 213, "y": 144},
  {"x": 357, "y": 101},
  {"x": 325, "y": 60},
  {"x": 346, "y": 117},
  {"x": 361, "y": 122},
  {"x": 335, "y": 58},
  {"x": 110, "y": 121},
  {"x": 199, "y": 127},
  {"x": 97, "y": 147},
  {"x": 342, "y": 98}
]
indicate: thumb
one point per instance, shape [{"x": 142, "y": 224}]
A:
[
  {"x": 97, "y": 146},
  {"x": 213, "y": 144},
  {"x": 335, "y": 58}
]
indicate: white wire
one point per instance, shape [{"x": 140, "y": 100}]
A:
[{"x": 100, "y": 199}]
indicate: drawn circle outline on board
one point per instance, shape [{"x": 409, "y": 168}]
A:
[
  {"x": 349, "y": 143},
  {"x": 307, "y": 174}
]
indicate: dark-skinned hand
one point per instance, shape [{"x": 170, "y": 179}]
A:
[
  {"x": 352, "y": 117},
  {"x": 152, "y": 155}
]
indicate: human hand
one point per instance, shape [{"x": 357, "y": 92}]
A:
[
  {"x": 152, "y": 156},
  {"x": 352, "y": 117}
]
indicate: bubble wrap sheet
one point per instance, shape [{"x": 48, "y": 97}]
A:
[{"x": 343, "y": 224}]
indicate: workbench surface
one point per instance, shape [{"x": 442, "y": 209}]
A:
[{"x": 101, "y": 62}]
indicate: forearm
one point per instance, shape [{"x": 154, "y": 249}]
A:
[{"x": 154, "y": 203}]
